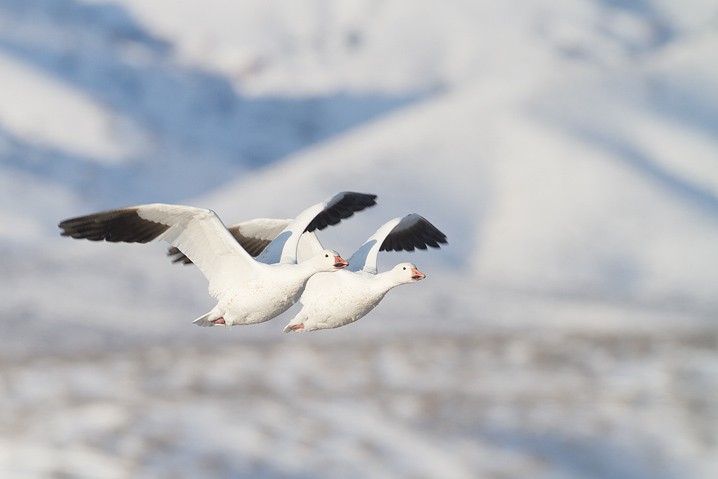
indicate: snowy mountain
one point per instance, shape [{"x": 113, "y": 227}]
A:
[{"x": 567, "y": 149}]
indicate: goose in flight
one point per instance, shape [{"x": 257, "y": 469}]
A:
[
  {"x": 247, "y": 290},
  {"x": 331, "y": 302}
]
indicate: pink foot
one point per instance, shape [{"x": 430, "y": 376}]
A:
[
  {"x": 218, "y": 321},
  {"x": 297, "y": 326}
]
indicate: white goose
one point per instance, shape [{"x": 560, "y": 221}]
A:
[
  {"x": 340, "y": 299},
  {"x": 247, "y": 290},
  {"x": 331, "y": 302}
]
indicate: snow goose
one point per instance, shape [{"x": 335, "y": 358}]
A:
[
  {"x": 247, "y": 290},
  {"x": 331, "y": 302}
]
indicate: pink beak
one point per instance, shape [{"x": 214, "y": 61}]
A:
[
  {"x": 417, "y": 275},
  {"x": 340, "y": 262}
]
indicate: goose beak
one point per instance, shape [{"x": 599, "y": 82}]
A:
[
  {"x": 417, "y": 275},
  {"x": 340, "y": 262}
]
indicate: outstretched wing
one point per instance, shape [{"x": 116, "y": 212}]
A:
[
  {"x": 399, "y": 234},
  {"x": 339, "y": 207},
  {"x": 283, "y": 248},
  {"x": 197, "y": 232},
  {"x": 254, "y": 235}
]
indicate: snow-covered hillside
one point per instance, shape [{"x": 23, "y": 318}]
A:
[{"x": 568, "y": 149}]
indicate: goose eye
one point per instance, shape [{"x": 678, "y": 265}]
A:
[
  {"x": 404, "y": 268},
  {"x": 326, "y": 255}
]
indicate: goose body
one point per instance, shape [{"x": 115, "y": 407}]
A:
[
  {"x": 247, "y": 290},
  {"x": 271, "y": 291},
  {"x": 337, "y": 301},
  {"x": 331, "y": 302}
]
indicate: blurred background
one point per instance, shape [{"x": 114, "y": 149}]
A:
[{"x": 568, "y": 149}]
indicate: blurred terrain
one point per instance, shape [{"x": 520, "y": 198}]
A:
[{"x": 493, "y": 405}]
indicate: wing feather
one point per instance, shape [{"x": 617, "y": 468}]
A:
[
  {"x": 283, "y": 248},
  {"x": 399, "y": 234},
  {"x": 254, "y": 235},
  {"x": 197, "y": 232},
  {"x": 413, "y": 231},
  {"x": 340, "y": 207}
]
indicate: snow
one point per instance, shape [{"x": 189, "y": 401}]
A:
[
  {"x": 567, "y": 149},
  {"x": 34, "y": 96},
  {"x": 546, "y": 405}
]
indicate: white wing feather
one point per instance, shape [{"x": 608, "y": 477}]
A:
[
  {"x": 309, "y": 246},
  {"x": 262, "y": 228},
  {"x": 365, "y": 257},
  {"x": 201, "y": 235},
  {"x": 283, "y": 248},
  {"x": 266, "y": 229}
]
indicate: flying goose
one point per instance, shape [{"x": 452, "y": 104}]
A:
[{"x": 334, "y": 301}]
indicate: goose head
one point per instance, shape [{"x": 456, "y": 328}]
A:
[
  {"x": 404, "y": 273},
  {"x": 328, "y": 260}
]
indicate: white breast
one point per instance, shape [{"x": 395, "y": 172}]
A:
[{"x": 335, "y": 299}]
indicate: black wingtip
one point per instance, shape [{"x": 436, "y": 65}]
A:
[
  {"x": 121, "y": 225},
  {"x": 420, "y": 235},
  {"x": 346, "y": 206},
  {"x": 177, "y": 256}
]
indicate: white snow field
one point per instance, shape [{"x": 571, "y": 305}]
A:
[{"x": 569, "y": 150}]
